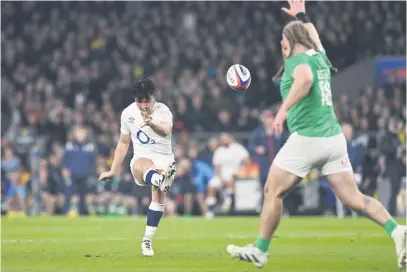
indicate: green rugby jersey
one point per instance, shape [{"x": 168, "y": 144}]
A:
[{"x": 312, "y": 116}]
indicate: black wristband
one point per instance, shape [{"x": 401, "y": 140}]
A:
[{"x": 301, "y": 16}]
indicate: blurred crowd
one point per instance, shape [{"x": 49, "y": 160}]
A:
[{"x": 68, "y": 67}]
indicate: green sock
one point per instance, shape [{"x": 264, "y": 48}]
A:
[
  {"x": 262, "y": 244},
  {"x": 390, "y": 226}
]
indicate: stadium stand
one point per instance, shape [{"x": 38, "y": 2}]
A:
[{"x": 71, "y": 64}]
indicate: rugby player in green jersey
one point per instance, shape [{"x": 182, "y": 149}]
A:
[{"x": 316, "y": 140}]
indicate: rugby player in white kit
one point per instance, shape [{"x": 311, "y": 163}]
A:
[
  {"x": 148, "y": 124},
  {"x": 227, "y": 160}
]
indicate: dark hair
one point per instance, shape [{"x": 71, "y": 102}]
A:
[
  {"x": 143, "y": 88},
  {"x": 296, "y": 33}
]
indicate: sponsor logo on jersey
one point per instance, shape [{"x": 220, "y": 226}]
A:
[{"x": 144, "y": 138}]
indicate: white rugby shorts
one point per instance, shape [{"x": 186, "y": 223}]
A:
[
  {"x": 300, "y": 154},
  {"x": 160, "y": 161}
]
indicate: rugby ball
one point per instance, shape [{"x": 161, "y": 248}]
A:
[{"x": 238, "y": 77}]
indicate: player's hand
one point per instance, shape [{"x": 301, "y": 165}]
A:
[
  {"x": 106, "y": 176},
  {"x": 296, "y": 6},
  {"x": 147, "y": 118},
  {"x": 278, "y": 125}
]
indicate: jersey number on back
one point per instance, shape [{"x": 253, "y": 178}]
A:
[{"x": 326, "y": 93}]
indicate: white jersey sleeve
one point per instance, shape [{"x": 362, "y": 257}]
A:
[
  {"x": 229, "y": 159},
  {"x": 217, "y": 160},
  {"x": 241, "y": 152},
  {"x": 124, "y": 129},
  {"x": 164, "y": 115}
]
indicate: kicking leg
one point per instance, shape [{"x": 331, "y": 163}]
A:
[
  {"x": 344, "y": 186},
  {"x": 143, "y": 169},
  {"x": 279, "y": 183},
  {"x": 154, "y": 214},
  {"x": 145, "y": 172}
]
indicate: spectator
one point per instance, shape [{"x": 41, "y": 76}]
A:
[
  {"x": 356, "y": 151},
  {"x": 186, "y": 184},
  {"x": 206, "y": 154},
  {"x": 16, "y": 192},
  {"x": 392, "y": 164},
  {"x": 72, "y": 64},
  {"x": 56, "y": 186},
  {"x": 202, "y": 173},
  {"x": 343, "y": 108},
  {"x": 264, "y": 144}
]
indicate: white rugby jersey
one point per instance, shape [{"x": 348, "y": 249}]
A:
[
  {"x": 144, "y": 139},
  {"x": 230, "y": 159}
]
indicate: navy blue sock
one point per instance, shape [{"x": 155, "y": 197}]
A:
[
  {"x": 154, "y": 213},
  {"x": 150, "y": 177}
]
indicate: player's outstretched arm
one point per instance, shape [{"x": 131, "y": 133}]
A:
[
  {"x": 120, "y": 152},
  {"x": 119, "y": 155},
  {"x": 297, "y": 10}
]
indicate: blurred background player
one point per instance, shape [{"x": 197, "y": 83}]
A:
[
  {"x": 56, "y": 182},
  {"x": 227, "y": 160},
  {"x": 148, "y": 124},
  {"x": 316, "y": 140},
  {"x": 202, "y": 173},
  {"x": 79, "y": 163}
]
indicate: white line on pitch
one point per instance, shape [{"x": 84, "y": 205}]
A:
[{"x": 192, "y": 236}]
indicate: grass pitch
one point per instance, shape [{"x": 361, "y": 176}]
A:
[{"x": 192, "y": 245}]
